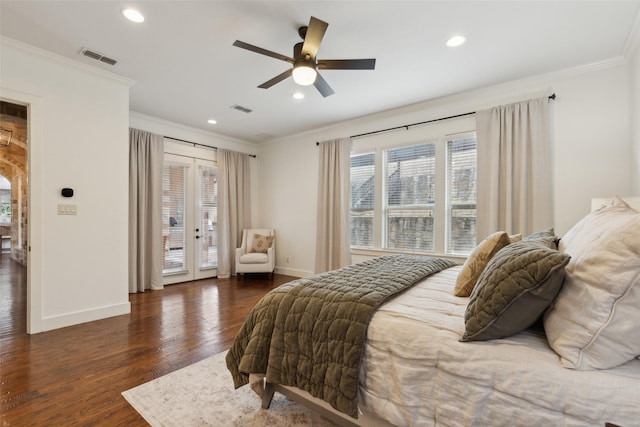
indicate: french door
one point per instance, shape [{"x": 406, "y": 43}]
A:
[{"x": 189, "y": 219}]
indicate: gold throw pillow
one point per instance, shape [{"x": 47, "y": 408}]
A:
[
  {"x": 478, "y": 260},
  {"x": 261, "y": 243}
]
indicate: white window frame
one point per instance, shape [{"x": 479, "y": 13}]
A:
[{"x": 438, "y": 132}]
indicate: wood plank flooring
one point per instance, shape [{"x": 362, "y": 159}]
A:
[{"x": 74, "y": 376}]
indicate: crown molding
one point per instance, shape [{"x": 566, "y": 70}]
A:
[
  {"x": 59, "y": 59},
  {"x": 203, "y": 136},
  {"x": 632, "y": 46},
  {"x": 605, "y": 64}
]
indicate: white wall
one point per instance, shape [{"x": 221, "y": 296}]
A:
[
  {"x": 78, "y": 138},
  {"x": 635, "y": 111},
  {"x": 590, "y": 135},
  {"x": 592, "y": 142},
  {"x": 288, "y": 179}
]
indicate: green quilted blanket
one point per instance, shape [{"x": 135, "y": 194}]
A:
[{"x": 310, "y": 333}]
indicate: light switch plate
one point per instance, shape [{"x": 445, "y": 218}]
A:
[{"x": 67, "y": 209}]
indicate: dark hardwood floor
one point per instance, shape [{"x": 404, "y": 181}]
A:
[{"x": 74, "y": 376}]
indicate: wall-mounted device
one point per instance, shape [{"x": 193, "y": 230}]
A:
[{"x": 67, "y": 192}]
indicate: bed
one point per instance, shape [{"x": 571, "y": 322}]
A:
[{"x": 553, "y": 343}]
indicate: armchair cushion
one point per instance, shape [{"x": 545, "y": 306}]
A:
[
  {"x": 254, "y": 258},
  {"x": 260, "y": 243}
]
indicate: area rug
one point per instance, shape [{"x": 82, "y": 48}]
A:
[{"x": 202, "y": 394}]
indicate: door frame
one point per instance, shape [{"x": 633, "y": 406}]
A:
[{"x": 34, "y": 106}]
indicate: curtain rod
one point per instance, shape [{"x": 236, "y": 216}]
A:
[
  {"x": 200, "y": 145},
  {"x": 551, "y": 97}
]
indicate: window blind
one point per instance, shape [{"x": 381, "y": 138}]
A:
[
  {"x": 362, "y": 200},
  {"x": 173, "y": 217},
  {"x": 410, "y": 197},
  {"x": 208, "y": 217},
  {"x": 461, "y": 195}
]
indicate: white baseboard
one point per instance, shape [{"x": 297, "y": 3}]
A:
[
  {"x": 293, "y": 272},
  {"x": 84, "y": 316}
]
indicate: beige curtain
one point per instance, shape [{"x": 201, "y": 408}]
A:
[
  {"x": 146, "y": 161},
  {"x": 234, "y": 207},
  {"x": 332, "y": 235},
  {"x": 514, "y": 168}
]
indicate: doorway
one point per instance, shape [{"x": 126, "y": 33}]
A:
[
  {"x": 189, "y": 219},
  {"x": 13, "y": 217}
]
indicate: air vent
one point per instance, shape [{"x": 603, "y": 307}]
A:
[
  {"x": 98, "y": 57},
  {"x": 264, "y": 136},
  {"x": 108, "y": 60},
  {"x": 241, "y": 108}
]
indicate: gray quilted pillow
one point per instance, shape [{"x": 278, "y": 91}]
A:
[
  {"x": 548, "y": 236},
  {"x": 515, "y": 288}
]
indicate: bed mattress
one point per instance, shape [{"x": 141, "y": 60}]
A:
[{"x": 415, "y": 372}]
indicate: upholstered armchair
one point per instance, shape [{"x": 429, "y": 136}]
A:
[{"x": 257, "y": 253}]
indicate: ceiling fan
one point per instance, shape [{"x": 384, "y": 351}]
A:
[{"x": 305, "y": 64}]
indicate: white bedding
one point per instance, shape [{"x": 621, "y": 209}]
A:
[{"x": 415, "y": 372}]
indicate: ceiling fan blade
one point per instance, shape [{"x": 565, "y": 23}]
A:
[
  {"x": 313, "y": 38},
  {"x": 277, "y": 79},
  {"x": 262, "y": 51},
  {"x": 322, "y": 86},
  {"x": 347, "y": 64}
]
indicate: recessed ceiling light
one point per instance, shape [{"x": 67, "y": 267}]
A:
[
  {"x": 456, "y": 41},
  {"x": 298, "y": 95},
  {"x": 212, "y": 121},
  {"x": 133, "y": 15}
]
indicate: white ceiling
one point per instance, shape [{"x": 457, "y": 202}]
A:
[{"x": 187, "y": 71}]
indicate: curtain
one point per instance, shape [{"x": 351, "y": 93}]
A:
[
  {"x": 146, "y": 162},
  {"x": 514, "y": 168},
  {"x": 332, "y": 234},
  {"x": 234, "y": 207}
]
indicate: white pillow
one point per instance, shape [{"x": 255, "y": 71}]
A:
[{"x": 593, "y": 323}]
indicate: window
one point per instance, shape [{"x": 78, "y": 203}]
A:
[
  {"x": 5, "y": 199},
  {"x": 362, "y": 197},
  {"x": 461, "y": 195},
  {"x": 415, "y": 191},
  {"x": 409, "y": 197}
]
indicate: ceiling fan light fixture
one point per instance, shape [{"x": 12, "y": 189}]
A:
[{"x": 304, "y": 74}]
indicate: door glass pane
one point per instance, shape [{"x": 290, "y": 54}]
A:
[
  {"x": 208, "y": 218},
  {"x": 173, "y": 225}
]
